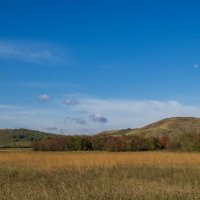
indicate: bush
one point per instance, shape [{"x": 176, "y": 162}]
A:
[{"x": 186, "y": 141}]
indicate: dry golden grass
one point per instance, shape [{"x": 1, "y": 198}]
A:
[{"x": 99, "y": 175}]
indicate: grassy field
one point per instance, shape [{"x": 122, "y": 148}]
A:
[{"x": 99, "y": 175}]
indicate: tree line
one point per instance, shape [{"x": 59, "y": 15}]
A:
[
  {"x": 186, "y": 140},
  {"x": 100, "y": 143}
]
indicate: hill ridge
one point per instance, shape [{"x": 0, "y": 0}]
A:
[
  {"x": 21, "y": 137},
  {"x": 167, "y": 126}
]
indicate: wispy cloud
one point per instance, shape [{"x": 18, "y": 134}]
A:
[
  {"x": 71, "y": 102},
  {"x": 43, "y": 97},
  {"x": 43, "y": 84},
  {"x": 97, "y": 118},
  {"x": 132, "y": 113},
  {"x": 3, "y": 106},
  {"x": 77, "y": 120},
  {"x": 52, "y": 128},
  {"x": 33, "y": 52},
  {"x": 93, "y": 114}
]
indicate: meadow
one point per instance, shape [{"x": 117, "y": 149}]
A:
[{"x": 99, "y": 175}]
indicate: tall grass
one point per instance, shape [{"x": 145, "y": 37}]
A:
[{"x": 99, "y": 175}]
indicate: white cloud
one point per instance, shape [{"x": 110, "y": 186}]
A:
[
  {"x": 33, "y": 52},
  {"x": 131, "y": 113},
  {"x": 116, "y": 114},
  {"x": 43, "y": 97}
]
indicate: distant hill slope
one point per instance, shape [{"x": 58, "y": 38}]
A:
[
  {"x": 168, "y": 126},
  {"x": 21, "y": 137}
]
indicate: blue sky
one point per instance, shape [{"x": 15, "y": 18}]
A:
[{"x": 79, "y": 67}]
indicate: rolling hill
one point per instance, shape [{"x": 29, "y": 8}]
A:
[
  {"x": 21, "y": 137},
  {"x": 169, "y": 127}
]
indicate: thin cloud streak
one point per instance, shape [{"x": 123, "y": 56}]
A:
[
  {"x": 43, "y": 85},
  {"x": 33, "y": 52},
  {"x": 3, "y": 106}
]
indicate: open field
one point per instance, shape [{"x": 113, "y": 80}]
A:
[{"x": 99, "y": 175}]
